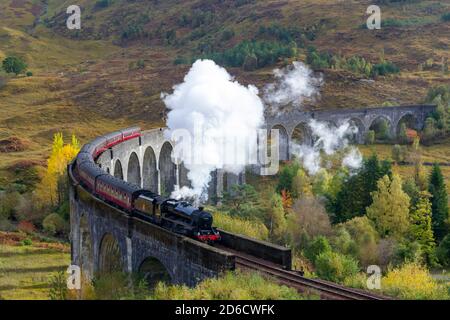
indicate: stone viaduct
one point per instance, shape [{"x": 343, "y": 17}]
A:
[
  {"x": 104, "y": 238},
  {"x": 293, "y": 126}
]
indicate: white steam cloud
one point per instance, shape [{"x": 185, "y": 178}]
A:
[
  {"x": 293, "y": 85},
  {"x": 329, "y": 140},
  {"x": 222, "y": 117}
]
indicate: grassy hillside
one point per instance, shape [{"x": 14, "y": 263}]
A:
[{"x": 110, "y": 73}]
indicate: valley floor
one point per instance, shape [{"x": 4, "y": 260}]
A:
[{"x": 25, "y": 270}]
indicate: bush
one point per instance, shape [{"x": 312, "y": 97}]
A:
[
  {"x": 370, "y": 137},
  {"x": 307, "y": 220},
  {"x": 101, "y": 4},
  {"x": 26, "y": 226},
  {"x": 231, "y": 286},
  {"x": 384, "y": 68},
  {"x": 54, "y": 225},
  {"x": 335, "y": 267},
  {"x": 365, "y": 237},
  {"x": 443, "y": 251},
  {"x": 316, "y": 247},
  {"x": 29, "y": 74},
  {"x": 286, "y": 177},
  {"x": 27, "y": 242},
  {"x": 446, "y": 17},
  {"x": 412, "y": 281},
  {"x": 408, "y": 252},
  {"x": 14, "y": 65},
  {"x": 253, "y": 229}
]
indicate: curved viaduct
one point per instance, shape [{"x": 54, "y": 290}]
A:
[
  {"x": 104, "y": 238},
  {"x": 107, "y": 239}
]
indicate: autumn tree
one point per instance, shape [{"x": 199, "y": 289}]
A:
[
  {"x": 52, "y": 188},
  {"x": 416, "y": 158},
  {"x": 286, "y": 177},
  {"x": 420, "y": 226},
  {"x": 242, "y": 200},
  {"x": 390, "y": 208},
  {"x": 307, "y": 220},
  {"x": 354, "y": 196},
  {"x": 321, "y": 182},
  {"x": 439, "y": 202},
  {"x": 301, "y": 184},
  {"x": 275, "y": 217}
]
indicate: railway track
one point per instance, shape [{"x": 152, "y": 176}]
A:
[{"x": 325, "y": 289}]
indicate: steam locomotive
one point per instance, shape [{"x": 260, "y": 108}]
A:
[{"x": 177, "y": 216}]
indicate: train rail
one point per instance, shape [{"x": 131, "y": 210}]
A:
[{"x": 325, "y": 289}]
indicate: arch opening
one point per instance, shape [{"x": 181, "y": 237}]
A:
[
  {"x": 283, "y": 142},
  {"x": 407, "y": 122},
  {"x": 153, "y": 271},
  {"x": 134, "y": 170},
  {"x": 118, "y": 172},
  {"x": 150, "y": 172},
  {"x": 301, "y": 135},
  {"x": 356, "y": 137},
  {"x": 382, "y": 127},
  {"x": 110, "y": 258},
  {"x": 167, "y": 170}
]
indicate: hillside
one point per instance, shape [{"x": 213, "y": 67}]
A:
[{"x": 110, "y": 73}]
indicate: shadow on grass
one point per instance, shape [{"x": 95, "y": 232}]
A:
[
  {"x": 26, "y": 270},
  {"x": 29, "y": 253},
  {"x": 33, "y": 286}
]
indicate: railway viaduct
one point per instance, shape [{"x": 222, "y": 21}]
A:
[
  {"x": 293, "y": 126},
  {"x": 105, "y": 239}
]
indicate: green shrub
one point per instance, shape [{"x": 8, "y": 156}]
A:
[
  {"x": 29, "y": 74},
  {"x": 253, "y": 229},
  {"x": 100, "y": 4},
  {"x": 370, "y": 137},
  {"x": 335, "y": 267},
  {"x": 445, "y": 17},
  {"x": 58, "y": 286},
  {"x": 384, "y": 68},
  {"x": 53, "y": 224},
  {"x": 14, "y": 64},
  {"x": 408, "y": 252},
  {"x": 27, "y": 242},
  {"x": 443, "y": 251},
  {"x": 316, "y": 247}
]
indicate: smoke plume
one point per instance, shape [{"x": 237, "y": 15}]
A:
[
  {"x": 329, "y": 140},
  {"x": 219, "y": 118},
  {"x": 293, "y": 85}
]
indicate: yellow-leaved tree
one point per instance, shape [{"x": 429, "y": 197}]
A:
[
  {"x": 390, "y": 207},
  {"x": 52, "y": 187}
]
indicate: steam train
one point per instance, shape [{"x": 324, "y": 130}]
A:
[{"x": 177, "y": 216}]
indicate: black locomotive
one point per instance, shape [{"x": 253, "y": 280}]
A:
[{"x": 177, "y": 216}]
